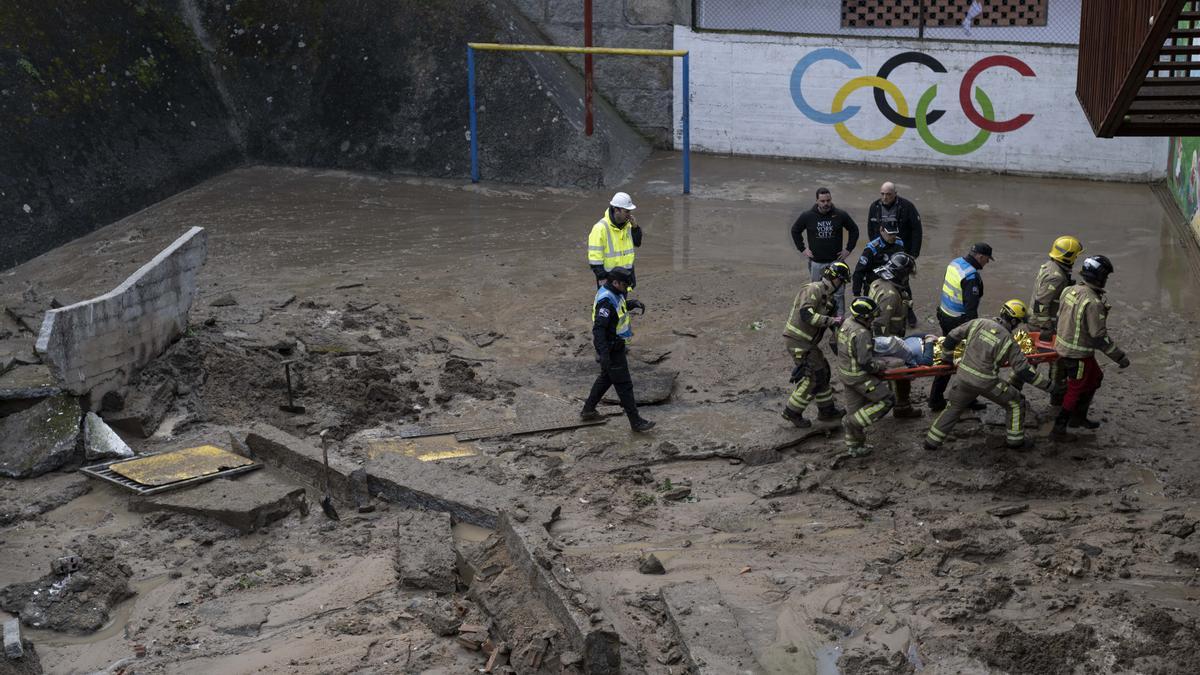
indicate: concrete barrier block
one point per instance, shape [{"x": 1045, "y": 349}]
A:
[{"x": 100, "y": 343}]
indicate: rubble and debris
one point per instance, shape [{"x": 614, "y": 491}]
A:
[
  {"x": 100, "y": 442},
  {"x": 78, "y": 603},
  {"x": 13, "y": 649},
  {"x": 25, "y": 500},
  {"x": 142, "y": 411},
  {"x": 26, "y": 383},
  {"x": 40, "y": 439}
]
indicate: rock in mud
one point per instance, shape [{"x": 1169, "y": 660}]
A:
[
  {"x": 77, "y": 603},
  {"x": 143, "y": 410},
  {"x": 863, "y": 660},
  {"x": 439, "y": 616},
  {"x": 100, "y": 442},
  {"x": 1015, "y": 651},
  {"x": 1176, "y": 525},
  {"x": 24, "y": 500},
  {"x": 650, "y": 564},
  {"x": 40, "y": 439},
  {"x": 459, "y": 378}
]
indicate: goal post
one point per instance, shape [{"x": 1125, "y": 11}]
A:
[{"x": 472, "y": 47}]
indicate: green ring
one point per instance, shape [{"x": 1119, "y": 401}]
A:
[{"x": 950, "y": 148}]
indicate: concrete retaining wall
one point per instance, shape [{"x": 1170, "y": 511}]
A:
[
  {"x": 100, "y": 343},
  {"x": 775, "y": 95}
]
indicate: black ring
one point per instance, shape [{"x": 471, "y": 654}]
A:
[{"x": 886, "y": 69}]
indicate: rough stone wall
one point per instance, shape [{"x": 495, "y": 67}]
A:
[
  {"x": 640, "y": 88},
  {"x": 103, "y": 110},
  {"x": 97, "y": 345},
  {"x": 107, "y": 106}
]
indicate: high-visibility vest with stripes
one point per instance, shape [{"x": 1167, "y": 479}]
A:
[
  {"x": 624, "y": 330},
  {"x": 610, "y": 245},
  {"x": 958, "y": 271}
]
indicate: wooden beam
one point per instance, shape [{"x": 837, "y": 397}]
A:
[
  {"x": 1152, "y": 90},
  {"x": 1164, "y": 107}
]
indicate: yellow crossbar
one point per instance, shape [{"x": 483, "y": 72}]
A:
[{"x": 496, "y": 47}]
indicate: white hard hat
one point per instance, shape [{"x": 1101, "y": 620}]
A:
[{"x": 621, "y": 200}]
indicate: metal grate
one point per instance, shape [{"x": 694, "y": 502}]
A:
[
  {"x": 942, "y": 13},
  {"x": 105, "y": 473}
]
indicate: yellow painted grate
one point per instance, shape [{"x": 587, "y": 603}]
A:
[{"x": 180, "y": 465}]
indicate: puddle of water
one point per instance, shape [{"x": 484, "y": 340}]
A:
[
  {"x": 116, "y": 624},
  {"x": 426, "y": 449},
  {"x": 468, "y": 532}
]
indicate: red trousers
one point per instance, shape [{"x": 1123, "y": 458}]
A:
[{"x": 1083, "y": 377}]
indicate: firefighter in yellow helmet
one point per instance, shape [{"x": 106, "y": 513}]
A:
[
  {"x": 989, "y": 345},
  {"x": 867, "y": 398},
  {"x": 813, "y": 312},
  {"x": 1053, "y": 278}
]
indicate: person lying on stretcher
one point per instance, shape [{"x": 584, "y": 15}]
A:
[{"x": 909, "y": 352}]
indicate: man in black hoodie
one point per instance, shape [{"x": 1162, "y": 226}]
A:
[{"x": 825, "y": 234}]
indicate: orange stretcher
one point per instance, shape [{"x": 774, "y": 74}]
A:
[{"x": 1043, "y": 353}]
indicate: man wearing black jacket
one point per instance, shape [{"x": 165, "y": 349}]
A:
[
  {"x": 962, "y": 289},
  {"x": 892, "y": 208},
  {"x": 610, "y": 331},
  {"x": 825, "y": 234}
]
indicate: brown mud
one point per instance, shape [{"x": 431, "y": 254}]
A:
[{"x": 437, "y": 302}]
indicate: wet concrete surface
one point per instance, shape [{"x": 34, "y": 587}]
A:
[{"x": 810, "y": 576}]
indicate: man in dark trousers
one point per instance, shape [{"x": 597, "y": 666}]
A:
[
  {"x": 892, "y": 208},
  {"x": 962, "y": 289},
  {"x": 875, "y": 255},
  {"x": 610, "y": 332},
  {"x": 825, "y": 234}
]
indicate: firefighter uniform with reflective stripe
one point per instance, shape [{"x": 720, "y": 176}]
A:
[
  {"x": 611, "y": 245},
  {"x": 811, "y": 316},
  {"x": 867, "y": 398},
  {"x": 989, "y": 346},
  {"x": 1052, "y": 279},
  {"x": 1082, "y": 329},
  {"x": 894, "y": 302}
]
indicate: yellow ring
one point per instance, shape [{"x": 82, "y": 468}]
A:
[{"x": 857, "y": 83}]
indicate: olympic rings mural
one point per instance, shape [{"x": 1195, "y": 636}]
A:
[{"x": 984, "y": 117}]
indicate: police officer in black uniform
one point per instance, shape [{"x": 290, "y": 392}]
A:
[{"x": 610, "y": 331}]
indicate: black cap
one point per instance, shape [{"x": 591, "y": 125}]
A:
[
  {"x": 983, "y": 248},
  {"x": 891, "y": 227},
  {"x": 620, "y": 274}
]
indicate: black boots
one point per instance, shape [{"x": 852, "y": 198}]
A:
[
  {"x": 1079, "y": 416},
  {"x": 830, "y": 412},
  {"x": 1059, "y": 432},
  {"x": 796, "y": 418},
  {"x": 640, "y": 424},
  {"x": 589, "y": 414}
]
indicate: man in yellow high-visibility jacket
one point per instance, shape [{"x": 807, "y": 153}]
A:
[{"x": 613, "y": 239}]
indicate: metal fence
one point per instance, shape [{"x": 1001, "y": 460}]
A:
[{"x": 1024, "y": 21}]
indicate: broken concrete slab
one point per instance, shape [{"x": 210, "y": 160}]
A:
[
  {"x": 28, "y": 382},
  {"x": 235, "y": 619},
  {"x": 245, "y": 503},
  {"x": 20, "y": 351},
  {"x": 304, "y": 462},
  {"x": 13, "y": 649},
  {"x": 425, "y": 557},
  {"x": 101, "y": 343},
  {"x": 547, "y": 575},
  {"x": 78, "y": 603},
  {"x": 27, "y": 314},
  {"x": 143, "y": 410},
  {"x": 100, "y": 442},
  {"x": 25, "y": 500},
  {"x": 709, "y": 634},
  {"x": 438, "y": 486},
  {"x": 40, "y": 439}
]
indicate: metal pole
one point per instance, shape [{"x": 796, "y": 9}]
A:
[
  {"x": 587, "y": 67},
  {"x": 687, "y": 140},
  {"x": 474, "y": 124}
]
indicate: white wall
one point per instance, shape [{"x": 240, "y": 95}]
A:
[{"x": 741, "y": 103}]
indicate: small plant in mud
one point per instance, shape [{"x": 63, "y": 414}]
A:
[
  {"x": 248, "y": 581},
  {"x": 665, "y": 485},
  {"x": 643, "y": 499}
]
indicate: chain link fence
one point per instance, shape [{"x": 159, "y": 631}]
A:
[{"x": 1024, "y": 21}]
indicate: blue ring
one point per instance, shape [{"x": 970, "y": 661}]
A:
[{"x": 824, "y": 54}]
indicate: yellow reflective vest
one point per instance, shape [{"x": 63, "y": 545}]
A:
[{"x": 609, "y": 245}]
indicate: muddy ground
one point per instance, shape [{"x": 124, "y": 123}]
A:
[{"x": 421, "y": 301}]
